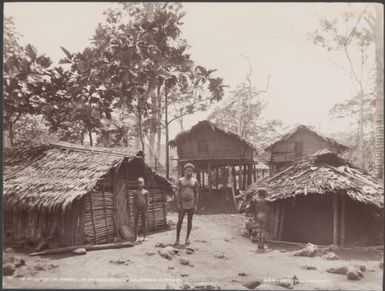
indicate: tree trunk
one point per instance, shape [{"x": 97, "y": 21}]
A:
[
  {"x": 159, "y": 126},
  {"x": 166, "y": 124},
  {"x": 90, "y": 136},
  {"x": 138, "y": 137},
  {"x": 379, "y": 115},
  {"x": 361, "y": 130},
  {"x": 10, "y": 134},
  {"x": 154, "y": 121},
  {"x": 141, "y": 132},
  {"x": 82, "y": 138}
]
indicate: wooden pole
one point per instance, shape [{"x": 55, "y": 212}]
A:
[
  {"x": 282, "y": 220},
  {"x": 216, "y": 177},
  {"x": 167, "y": 137},
  {"x": 240, "y": 177},
  {"x": 87, "y": 247},
  {"x": 234, "y": 177},
  {"x": 244, "y": 177},
  {"x": 335, "y": 219},
  {"x": 276, "y": 219},
  {"x": 203, "y": 177},
  {"x": 209, "y": 176},
  {"x": 198, "y": 174},
  {"x": 343, "y": 214},
  {"x": 254, "y": 173},
  {"x": 250, "y": 173}
]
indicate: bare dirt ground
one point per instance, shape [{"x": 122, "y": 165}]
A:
[{"x": 221, "y": 257}]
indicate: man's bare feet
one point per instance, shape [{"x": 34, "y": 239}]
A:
[
  {"x": 176, "y": 243},
  {"x": 187, "y": 242}
]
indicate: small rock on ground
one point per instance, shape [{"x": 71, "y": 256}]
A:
[
  {"x": 330, "y": 256},
  {"x": 252, "y": 284},
  {"x": 185, "y": 262},
  {"x": 79, "y": 251},
  {"x": 310, "y": 250},
  {"x": 308, "y": 267},
  {"x": 168, "y": 252},
  {"x": 354, "y": 273},
  {"x": 340, "y": 270},
  {"x": 8, "y": 269}
]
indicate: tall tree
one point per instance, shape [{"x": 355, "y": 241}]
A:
[
  {"x": 25, "y": 73},
  {"x": 378, "y": 35},
  {"x": 241, "y": 111},
  {"x": 146, "y": 58},
  {"x": 348, "y": 36}
]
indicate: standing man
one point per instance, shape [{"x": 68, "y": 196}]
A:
[
  {"x": 261, "y": 210},
  {"x": 140, "y": 203},
  {"x": 187, "y": 200}
]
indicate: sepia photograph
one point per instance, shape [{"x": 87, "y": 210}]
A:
[{"x": 193, "y": 145}]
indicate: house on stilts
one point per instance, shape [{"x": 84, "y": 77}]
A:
[
  {"x": 296, "y": 144},
  {"x": 224, "y": 164},
  {"x": 73, "y": 195},
  {"x": 323, "y": 199}
]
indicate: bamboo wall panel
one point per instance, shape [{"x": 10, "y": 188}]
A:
[{"x": 98, "y": 221}]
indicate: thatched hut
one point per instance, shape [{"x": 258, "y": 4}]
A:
[
  {"x": 298, "y": 143},
  {"x": 224, "y": 162},
  {"x": 73, "y": 195},
  {"x": 323, "y": 199}
]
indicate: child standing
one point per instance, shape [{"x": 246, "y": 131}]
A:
[{"x": 140, "y": 203}]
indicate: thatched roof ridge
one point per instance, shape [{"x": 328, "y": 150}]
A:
[
  {"x": 180, "y": 136},
  {"x": 278, "y": 139},
  {"x": 324, "y": 172},
  {"x": 53, "y": 176}
]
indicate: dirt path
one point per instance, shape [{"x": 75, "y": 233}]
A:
[{"x": 220, "y": 254}]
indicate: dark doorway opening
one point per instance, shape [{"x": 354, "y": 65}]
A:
[{"x": 309, "y": 219}]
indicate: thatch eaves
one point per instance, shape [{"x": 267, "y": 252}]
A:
[
  {"x": 53, "y": 176},
  {"x": 324, "y": 172},
  {"x": 206, "y": 123}
]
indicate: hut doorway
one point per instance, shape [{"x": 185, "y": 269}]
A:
[{"x": 309, "y": 219}]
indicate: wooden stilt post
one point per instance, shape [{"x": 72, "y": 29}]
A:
[
  {"x": 335, "y": 219},
  {"x": 216, "y": 177},
  {"x": 198, "y": 174},
  {"x": 276, "y": 218},
  {"x": 254, "y": 173},
  {"x": 343, "y": 214},
  {"x": 234, "y": 177},
  {"x": 282, "y": 220},
  {"x": 250, "y": 180},
  {"x": 240, "y": 177},
  {"x": 244, "y": 177},
  {"x": 209, "y": 176},
  {"x": 203, "y": 177}
]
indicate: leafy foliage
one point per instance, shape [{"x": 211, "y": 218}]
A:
[
  {"x": 242, "y": 113},
  {"x": 352, "y": 35}
]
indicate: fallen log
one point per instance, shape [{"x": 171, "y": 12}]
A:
[{"x": 87, "y": 247}]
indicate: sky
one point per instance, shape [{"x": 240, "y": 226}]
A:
[{"x": 304, "y": 83}]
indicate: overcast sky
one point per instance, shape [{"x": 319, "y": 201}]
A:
[{"x": 304, "y": 83}]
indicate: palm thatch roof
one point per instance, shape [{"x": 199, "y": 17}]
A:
[
  {"x": 324, "y": 172},
  {"x": 341, "y": 147},
  {"x": 52, "y": 176},
  {"x": 215, "y": 128}
]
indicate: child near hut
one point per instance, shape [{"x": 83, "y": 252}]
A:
[
  {"x": 261, "y": 209},
  {"x": 140, "y": 204}
]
